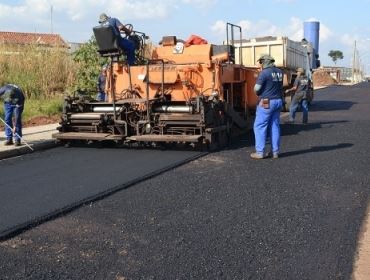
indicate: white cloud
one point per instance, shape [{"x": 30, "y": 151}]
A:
[
  {"x": 348, "y": 39},
  {"x": 150, "y": 9},
  {"x": 362, "y": 44},
  {"x": 40, "y": 9},
  {"x": 325, "y": 33},
  {"x": 249, "y": 29},
  {"x": 261, "y": 28},
  {"x": 245, "y": 24},
  {"x": 142, "y": 10},
  {"x": 81, "y": 9},
  {"x": 37, "y": 6},
  {"x": 219, "y": 27},
  {"x": 129, "y": 9},
  {"x": 295, "y": 29},
  {"x": 78, "y": 10},
  {"x": 7, "y": 11}
]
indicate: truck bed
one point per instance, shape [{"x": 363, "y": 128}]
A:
[{"x": 287, "y": 53}]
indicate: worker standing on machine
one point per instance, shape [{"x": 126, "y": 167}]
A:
[
  {"x": 125, "y": 44},
  {"x": 101, "y": 96},
  {"x": 269, "y": 86},
  {"x": 13, "y": 105}
]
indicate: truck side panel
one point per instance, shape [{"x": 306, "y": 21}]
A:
[{"x": 287, "y": 53}]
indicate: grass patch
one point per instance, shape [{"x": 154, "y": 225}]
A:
[{"x": 40, "y": 107}]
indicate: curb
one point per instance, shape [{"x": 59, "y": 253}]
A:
[{"x": 37, "y": 146}]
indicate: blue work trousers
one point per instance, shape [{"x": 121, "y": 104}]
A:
[
  {"x": 10, "y": 111},
  {"x": 294, "y": 107},
  {"x": 268, "y": 121},
  {"x": 100, "y": 96},
  {"x": 129, "y": 47}
]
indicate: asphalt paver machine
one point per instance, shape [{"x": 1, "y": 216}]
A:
[{"x": 193, "y": 94}]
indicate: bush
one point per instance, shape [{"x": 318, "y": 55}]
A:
[{"x": 89, "y": 66}]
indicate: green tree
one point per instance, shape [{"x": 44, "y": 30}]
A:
[
  {"x": 89, "y": 66},
  {"x": 335, "y": 55}
]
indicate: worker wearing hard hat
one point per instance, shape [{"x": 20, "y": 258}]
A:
[
  {"x": 268, "y": 88},
  {"x": 301, "y": 89},
  {"x": 125, "y": 44},
  {"x": 13, "y": 106}
]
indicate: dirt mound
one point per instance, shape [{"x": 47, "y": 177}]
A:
[
  {"x": 35, "y": 121},
  {"x": 322, "y": 78},
  {"x": 41, "y": 120}
]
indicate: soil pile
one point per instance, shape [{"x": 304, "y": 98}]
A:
[{"x": 322, "y": 78}]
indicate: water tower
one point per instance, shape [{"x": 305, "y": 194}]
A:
[{"x": 312, "y": 35}]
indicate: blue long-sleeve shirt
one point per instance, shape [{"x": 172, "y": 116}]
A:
[{"x": 12, "y": 94}]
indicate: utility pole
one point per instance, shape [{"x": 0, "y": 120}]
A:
[
  {"x": 51, "y": 19},
  {"x": 354, "y": 64}
]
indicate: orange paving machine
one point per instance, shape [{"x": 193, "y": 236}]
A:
[{"x": 181, "y": 94}]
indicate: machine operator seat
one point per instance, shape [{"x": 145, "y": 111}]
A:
[{"x": 107, "y": 41}]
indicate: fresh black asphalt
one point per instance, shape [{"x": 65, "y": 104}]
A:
[
  {"x": 38, "y": 186},
  {"x": 222, "y": 216}
]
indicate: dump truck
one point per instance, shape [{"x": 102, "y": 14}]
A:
[
  {"x": 187, "y": 95},
  {"x": 289, "y": 55}
]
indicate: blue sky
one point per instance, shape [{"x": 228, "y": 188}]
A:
[{"x": 341, "y": 21}]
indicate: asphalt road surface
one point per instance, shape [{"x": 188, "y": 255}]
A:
[
  {"x": 40, "y": 186},
  {"x": 224, "y": 216}
]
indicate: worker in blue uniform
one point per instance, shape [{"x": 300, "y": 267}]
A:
[
  {"x": 125, "y": 44},
  {"x": 101, "y": 96},
  {"x": 13, "y": 98},
  {"x": 268, "y": 87}
]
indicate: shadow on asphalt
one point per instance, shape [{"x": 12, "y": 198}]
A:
[
  {"x": 241, "y": 141},
  {"x": 316, "y": 149},
  {"x": 331, "y": 105},
  {"x": 247, "y": 139},
  {"x": 292, "y": 129}
]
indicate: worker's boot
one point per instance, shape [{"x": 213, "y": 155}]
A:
[
  {"x": 8, "y": 142},
  {"x": 17, "y": 143},
  {"x": 257, "y": 156}
]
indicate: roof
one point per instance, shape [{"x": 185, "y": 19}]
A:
[{"x": 45, "y": 39}]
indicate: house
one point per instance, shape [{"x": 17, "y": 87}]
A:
[
  {"x": 40, "y": 39},
  {"x": 74, "y": 46}
]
